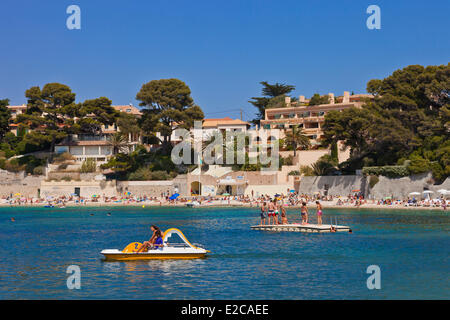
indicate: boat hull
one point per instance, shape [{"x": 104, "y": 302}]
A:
[{"x": 151, "y": 256}]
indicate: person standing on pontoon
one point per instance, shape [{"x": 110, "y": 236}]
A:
[
  {"x": 304, "y": 213},
  {"x": 319, "y": 213},
  {"x": 282, "y": 210},
  {"x": 271, "y": 211},
  {"x": 263, "y": 213}
]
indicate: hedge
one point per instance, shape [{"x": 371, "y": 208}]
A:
[{"x": 387, "y": 171}]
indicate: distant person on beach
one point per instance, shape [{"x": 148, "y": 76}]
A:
[
  {"x": 319, "y": 213},
  {"x": 148, "y": 244},
  {"x": 263, "y": 213},
  {"x": 304, "y": 213}
]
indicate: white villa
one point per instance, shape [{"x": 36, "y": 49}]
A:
[{"x": 98, "y": 147}]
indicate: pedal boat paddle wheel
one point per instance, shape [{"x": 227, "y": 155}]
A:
[{"x": 175, "y": 250}]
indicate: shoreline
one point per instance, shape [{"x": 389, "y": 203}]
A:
[{"x": 220, "y": 205}]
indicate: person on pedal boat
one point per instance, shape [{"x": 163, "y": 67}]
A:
[{"x": 148, "y": 244}]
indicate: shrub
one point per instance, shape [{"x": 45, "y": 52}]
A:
[
  {"x": 37, "y": 171},
  {"x": 145, "y": 173},
  {"x": 62, "y": 157},
  {"x": 373, "y": 180},
  {"x": 14, "y": 166},
  {"x": 63, "y": 166},
  {"x": 294, "y": 173},
  {"x": 418, "y": 165},
  {"x": 89, "y": 165},
  {"x": 306, "y": 171},
  {"x": 387, "y": 171},
  {"x": 288, "y": 161},
  {"x": 66, "y": 178}
]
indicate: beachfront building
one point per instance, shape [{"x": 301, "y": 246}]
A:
[
  {"x": 209, "y": 126},
  {"x": 219, "y": 180},
  {"x": 226, "y": 124},
  {"x": 99, "y": 146},
  {"x": 309, "y": 118}
]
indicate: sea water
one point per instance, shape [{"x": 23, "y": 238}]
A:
[{"x": 411, "y": 248}]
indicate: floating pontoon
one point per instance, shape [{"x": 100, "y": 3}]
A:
[{"x": 302, "y": 228}]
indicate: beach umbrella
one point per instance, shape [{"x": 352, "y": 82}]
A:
[
  {"x": 414, "y": 193},
  {"x": 356, "y": 190},
  {"x": 443, "y": 191},
  {"x": 174, "y": 196},
  {"x": 428, "y": 191},
  {"x": 225, "y": 194}
]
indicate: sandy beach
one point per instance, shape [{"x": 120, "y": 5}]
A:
[{"x": 224, "y": 203}]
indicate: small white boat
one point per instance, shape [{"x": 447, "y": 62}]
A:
[
  {"x": 180, "y": 250},
  {"x": 192, "y": 204}
]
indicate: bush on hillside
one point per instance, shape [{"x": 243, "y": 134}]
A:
[
  {"x": 387, "y": 171},
  {"x": 89, "y": 165}
]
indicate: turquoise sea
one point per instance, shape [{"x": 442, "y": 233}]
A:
[{"x": 410, "y": 247}]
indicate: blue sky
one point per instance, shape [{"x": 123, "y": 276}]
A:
[{"x": 221, "y": 49}]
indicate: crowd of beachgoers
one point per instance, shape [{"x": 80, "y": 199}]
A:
[{"x": 291, "y": 199}]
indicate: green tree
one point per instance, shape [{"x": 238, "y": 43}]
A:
[
  {"x": 128, "y": 123},
  {"x": 408, "y": 120},
  {"x": 48, "y": 114},
  {"x": 295, "y": 139},
  {"x": 324, "y": 166},
  {"x": 269, "y": 91},
  {"x": 169, "y": 106},
  {"x": 317, "y": 99},
  {"x": 94, "y": 114},
  {"x": 5, "y": 117},
  {"x": 119, "y": 142}
]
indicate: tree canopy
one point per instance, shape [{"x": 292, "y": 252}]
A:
[
  {"x": 269, "y": 92},
  {"x": 317, "y": 99},
  {"x": 48, "y": 114},
  {"x": 94, "y": 113},
  {"x": 408, "y": 120},
  {"x": 169, "y": 105},
  {"x": 5, "y": 117}
]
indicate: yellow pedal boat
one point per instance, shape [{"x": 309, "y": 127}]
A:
[{"x": 179, "y": 250}]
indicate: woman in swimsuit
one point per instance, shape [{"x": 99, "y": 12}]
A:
[
  {"x": 147, "y": 244},
  {"x": 304, "y": 212},
  {"x": 319, "y": 213}
]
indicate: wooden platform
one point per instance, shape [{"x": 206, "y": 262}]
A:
[{"x": 301, "y": 228}]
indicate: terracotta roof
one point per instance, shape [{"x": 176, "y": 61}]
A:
[
  {"x": 213, "y": 123},
  {"x": 128, "y": 109}
]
